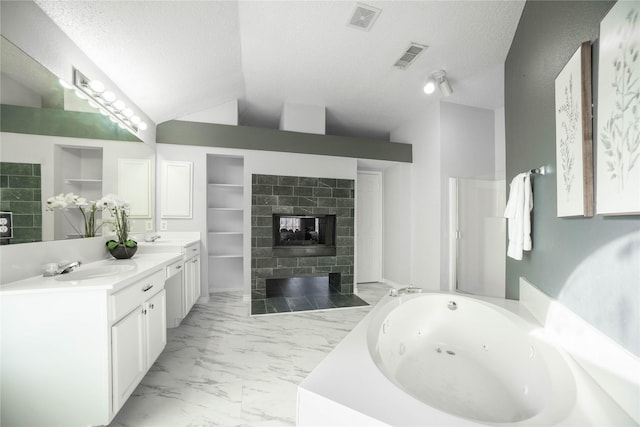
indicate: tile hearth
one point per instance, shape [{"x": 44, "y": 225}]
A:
[
  {"x": 222, "y": 367},
  {"x": 302, "y": 294}
]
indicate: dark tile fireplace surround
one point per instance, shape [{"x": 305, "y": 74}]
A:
[{"x": 275, "y": 194}]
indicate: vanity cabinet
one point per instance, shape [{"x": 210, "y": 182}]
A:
[
  {"x": 183, "y": 284},
  {"x": 72, "y": 353},
  {"x": 140, "y": 336}
]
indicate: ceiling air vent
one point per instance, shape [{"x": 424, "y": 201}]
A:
[
  {"x": 364, "y": 16},
  {"x": 410, "y": 55}
]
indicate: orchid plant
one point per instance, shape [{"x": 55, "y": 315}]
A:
[
  {"x": 88, "y": 210},
  {"x": 119, "y": 210}
]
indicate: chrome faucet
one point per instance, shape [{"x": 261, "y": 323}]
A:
[
  {"x": 152, "y": 238},
  {"x": 63, "y": 268},
  {"x": 406, "y": 290}
]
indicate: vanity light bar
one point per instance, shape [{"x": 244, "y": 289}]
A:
[{"x": 106, "y": 102}]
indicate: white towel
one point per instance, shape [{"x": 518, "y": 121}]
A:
[{"x": 518, "y": 214}]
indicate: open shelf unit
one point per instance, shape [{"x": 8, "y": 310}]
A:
[{"x": 225, "y": 216}]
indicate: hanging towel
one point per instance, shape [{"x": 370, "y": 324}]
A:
[{"x": 518, "y": 214}]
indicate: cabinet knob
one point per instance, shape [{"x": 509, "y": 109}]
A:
[
  {"x": 144, "y": 311},
  {"x": 152, "y": 307},
  {"x": 178, "y": 267}
]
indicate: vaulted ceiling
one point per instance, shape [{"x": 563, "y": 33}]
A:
[{"x": 174, "y": 58}]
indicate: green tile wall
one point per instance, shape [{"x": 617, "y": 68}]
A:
[
  {"x": 20, "y": 193},
  {"x": 300, "y": 196}
]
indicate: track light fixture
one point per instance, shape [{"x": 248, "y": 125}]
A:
[
  {"x": 106, "y": 102},
  {"x": 438, "y": 79}
]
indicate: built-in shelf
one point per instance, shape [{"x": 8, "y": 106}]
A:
[
  {"x": 225, "y": 232},
  {"x": 225, "y": 220},
  {"x": 226, "y": 256},
  {"x": 226, "y": 185},
  {"x": 82, "y": 181}
]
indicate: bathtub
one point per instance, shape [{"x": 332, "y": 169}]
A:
[{"x": 448, "y": 359}]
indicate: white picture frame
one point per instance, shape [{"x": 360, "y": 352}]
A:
[
  {"x": 574, "y": 140},
  {"x": 618, "y": 135}
]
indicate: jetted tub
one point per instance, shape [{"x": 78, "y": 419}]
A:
[
  {"x": 445, "y": 359},
  {"x": 471, "y": 359}
]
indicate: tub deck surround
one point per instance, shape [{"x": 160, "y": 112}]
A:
[
  {"x": 366, "y": 396},
  {"x": 615, "y": 369}
]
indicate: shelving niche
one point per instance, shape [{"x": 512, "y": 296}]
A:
[
  {"x": 78, "y": 170},
  {"x": 225, "y": 216}
]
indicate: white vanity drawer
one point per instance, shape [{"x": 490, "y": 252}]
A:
[
  {"x": 191, "y": 250},
  {"x": 122, "y": 302},
  {"x": 175, "y": 268}
]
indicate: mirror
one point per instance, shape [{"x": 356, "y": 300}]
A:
[{"x": 53, "y": 142}]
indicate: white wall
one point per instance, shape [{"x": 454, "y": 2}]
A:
[
  {"x": 396, "y": 240},
  {"x": 255, "y": 162},
  {"x": 224, "y": 114},
  {"x": 501, "y": 143},
  {"x": 424, "y": 134},
  {"x": 467, "y": 150}
]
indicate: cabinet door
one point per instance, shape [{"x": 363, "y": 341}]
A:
[
  {"x": 176, "y": 198},
  {"x": 156, "y": 326},
  {"x": 128, "y": 355},
  {"x": 195, "y": 276},
  {"x": 187, "y": 288}
]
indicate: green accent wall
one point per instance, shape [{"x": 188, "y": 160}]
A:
[
  {"x": 56, "y": 122},
  {"x": 249, "y": 138},
  {"x": 20, "y": 194},
  {"x": 567, "y": 257}
]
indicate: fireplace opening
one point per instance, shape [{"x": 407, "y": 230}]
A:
[{"x": 304, "y": 235}]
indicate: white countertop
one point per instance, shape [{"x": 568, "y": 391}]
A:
[{"x": 143, "y": 263}]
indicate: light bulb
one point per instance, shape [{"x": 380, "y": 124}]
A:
[
  {"x": 119, "y": 105},
  {"x": 81, "y": 95},
  {"x": 430, "y": 87},
  {"x": 96, "y": 86},
  {"x": 142, "y": 126},
  {"x": 128, "y": 112},
  {"x": 135, "y": 120},
  {"x": 103, "y": 112},
  {"x": 109, "y": 96}
]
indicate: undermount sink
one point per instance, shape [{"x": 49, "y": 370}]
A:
[{"x": 94, "y": 273}]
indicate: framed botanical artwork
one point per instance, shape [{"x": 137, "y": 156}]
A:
[
  {"x": 618, "y": 133},
  {"x": 574, "y": 143}
]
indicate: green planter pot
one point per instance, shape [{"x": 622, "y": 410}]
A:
[{"x": 123, "y": 252}]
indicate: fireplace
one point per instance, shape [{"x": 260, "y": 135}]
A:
[{"x": 304, "y": 235}]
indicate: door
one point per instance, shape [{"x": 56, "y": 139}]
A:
[
  {"x": 369, "y": 226},
  {"x": 479, "y": 236},
  {"x": 128, "y": 355},
  {"x": 156, "y": 326}
]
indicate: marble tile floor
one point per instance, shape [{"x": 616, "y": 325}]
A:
[{"x": 222, "y": 367}]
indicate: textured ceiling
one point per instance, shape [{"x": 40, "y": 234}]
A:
[{"x": 173, "y": 58}]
